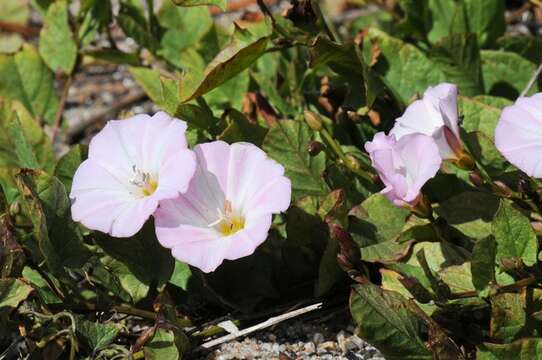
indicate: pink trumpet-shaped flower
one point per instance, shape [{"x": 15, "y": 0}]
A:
[
  {"x": 404, "y": 165},
  {"x": 227, "y": 211},
  {"x": 132, "y": 164},
  {"x": 518, "y": 135},
  {"x": 435, "y": 115}
]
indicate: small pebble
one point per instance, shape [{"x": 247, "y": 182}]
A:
[
  {"x": 318, "y": 338},
  {"x": 310, "y": 348}
]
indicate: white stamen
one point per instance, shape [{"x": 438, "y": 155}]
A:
[{"x": 219, "y": 220}]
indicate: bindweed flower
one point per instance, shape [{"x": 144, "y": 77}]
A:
[
  {"x": 518, "y": 135},
  {"x": 404, "y": 165},
  {"x": 227, "y": 211},
  {"x": 435, "y": 115},
  {"x": 132, "y": 164}
]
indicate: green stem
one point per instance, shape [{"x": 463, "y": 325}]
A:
[
  {"x": 212, "y": 330},
  {"x": 332, "y": 143},
  {"x": 502, "y": 289},
  {"x": 127, "y": 309}
]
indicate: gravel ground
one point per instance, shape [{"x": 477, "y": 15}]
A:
[{"x": 320, "y": 337}]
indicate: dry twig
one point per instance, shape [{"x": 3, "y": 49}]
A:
[{"x": 269, "y": 322}]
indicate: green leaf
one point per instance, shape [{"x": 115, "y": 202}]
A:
[
  {"x": 470, "y": 212},
  {"x": 10, "y": 43},
  {"x": 438, "y": 255},
  {"x": 523, "y": 349},
  {"x": 23, "y": 150},
  {"x": 163, "y": 346},
  {"x": 385, "y": 320},
  {"x": 342, "y": 58},
  {"x": 479, "y": 116},
  {"x": 181, "y": 275},
  {"x": 507, "y": 316},
  {"x": 140, "y": 261},
  {"x": 495, "y": 101},
  {"x": 442, "y": 22},
  {"x": 114, "y": 56},
  {"x": 286, "y": 142},
  {"x": 506, "y": 74},
  {"x": 131, "y": 19},
  {"x": 238, "y": 128},
  {"x": 165, "y": 92},
  {"x": 121, "y": 281},
  {"x": 348, "y": 61},
  {"x": 23, "y": 142},
  {"x": 486, "y": 19},
  {"x": 243, "y": 50},
  {"x": 26, "y": 78},
  {"x": 14, "y": 11},
  {"x": 417, "y": 19},
  {"x": 483, "y": 264},
  {"x": 529, "y": 47},
  {"x": 185, "y": 27},
  {"x": 100, "y": 274},
  {"x": 57, "y": 46},
  {"x": 393, "y": 281},
  {"x": 94, "y": 15},
  {"x": 162, "y": 90},
  {"x": 42, "y": 287},
  {"x": 41, "y": 5},
  {"x": 12, "y": 257},
  {"x": 200, "y": 117},
  {"x": 386, "y": 252},
  {"x": 96, "y": 335},
  {"x": 68, "y": 163},
  {"x": 458, "y": 56},
  {"x": 12, "y": 293},
  {"x": 220, "y": 3},
  {"x": 439, "y": 287},
  {"x": 458, "y": 277},
  {"x": 47, "y": 204},
  {"x": 514, "y": 235},
  {"x": 404, "y": 69},
  {"x": 388, "y": 218},
  {"x": 486, "y": 154},
  {"x": 329, "y": 273}
]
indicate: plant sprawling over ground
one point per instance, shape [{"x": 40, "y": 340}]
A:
[{"x": 392, "y": 154}]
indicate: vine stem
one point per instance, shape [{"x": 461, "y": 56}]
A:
[
  {"x": 61, "y": 106},
  {"x": 531, "y": 82},
  {"x": 128, "y": 310},
  {"x": 502, "y": 289},
  {"x": 341, "y": 155}
]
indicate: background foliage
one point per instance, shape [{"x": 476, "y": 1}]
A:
[{"x": 461, "y": 285}]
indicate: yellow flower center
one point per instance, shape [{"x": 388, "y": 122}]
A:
[
  {"x": 149, "y": 188},
  {"x": 232, "y": 226},
  {"x": 144, "y": 182},
  {"x": 228, "y": 222}
]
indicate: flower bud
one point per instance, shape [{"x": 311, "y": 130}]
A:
[
  {"x": 475, "y": 178},
  {"x": 503, "y": 188},
  {"x": 313, "y": 120},
  {"x": 464, "y": 161},
  {"x": 14, "y": 208},
  {"x": 422, "y": 207},
  {"x": 352, "y": 163},
  {"x": 537, "y": 227},
  {"x": 314, "y": 148}
]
